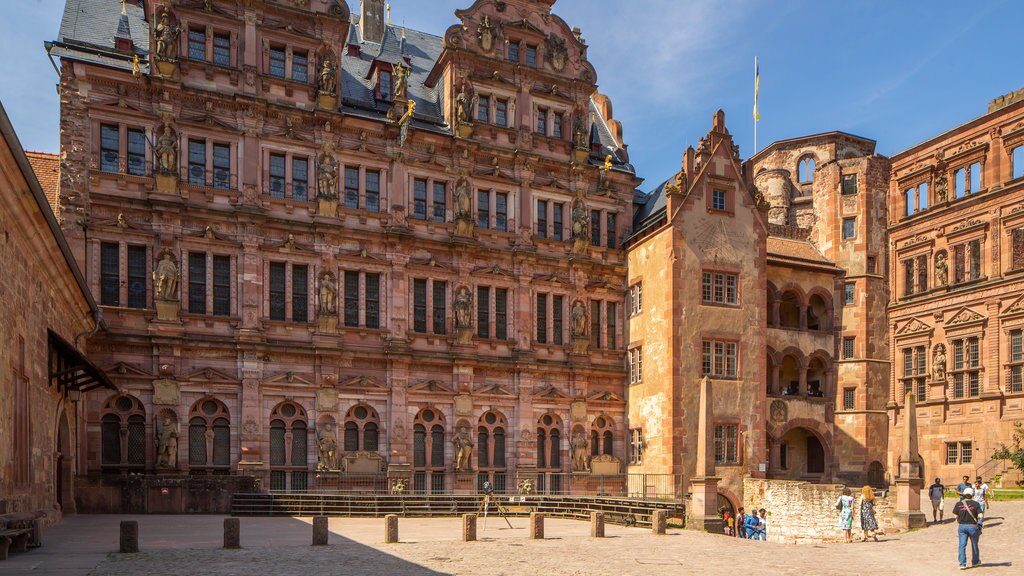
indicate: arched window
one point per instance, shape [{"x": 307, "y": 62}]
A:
[
  {"x": 817, "y": 377},
  {"x": 789, "y": 375},
  {"x": 428, "y": 451},
  {"x": 362, "y": 429},
  {"x": 819, "y": 312},
  {"x": 289, "y": 438},
  {"x": 209, "y": 437},
  {"x": 549, "y": 442},
  {"x": 491, "y": 441},
  {"x": 601, "y": 437},
  {"x": 789, "y": 309},
  {"x": 805, "y": 170},
  {"x": 123, "y": 433}
]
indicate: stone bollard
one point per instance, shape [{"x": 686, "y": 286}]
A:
[
  {"x": 469, "y": 527},
  {"x": 537, "y": 525},
  {"x": 129, "y": 536},
  {"x": 597, "y": 524},
  {"x": 658, "y": 518},
  {"x": 232, "y": 533},
  {"x": 391, "y": 529},
  {"x": 320, "y": 531}
]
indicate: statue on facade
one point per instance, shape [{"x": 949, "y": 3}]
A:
[
  {"x": 326, "y": 447},
  {"x": 166, "y": 39},
  {"x": 578, "y": 444},
  {"x": 328, "y": 295},
  {"x": 557, "y": 54},
  {"x": 166, "y": 278},
  {"x": 580, "y": 134},
  {"x": 167, "y": 444},
  {"x": 327, "y": 81},
  {"x": 166, "y": 150},
  {"x": 463, "y": 106},
  {"x": 327, "y": 174},
  {"x": 463, "y": 450},
  {"x": 941, "y": 269},
  {"x": 401, "y": 75},
  {"x": 939, "y": 363},
  {"x": 485, "y": 34},
  {"x": 941, "y": 188},
  {"x": 578, "y": 315},
  {"x": 463, "y": 206},
  {"x": 580, "y": 224},
  {"x": 463, "y": 308}
]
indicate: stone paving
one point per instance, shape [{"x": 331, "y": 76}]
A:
[{"x": 190, "y": 546}]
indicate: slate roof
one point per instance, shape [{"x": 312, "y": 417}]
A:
[
  {"x": 648, "y": 206},
  {"x": 89, "y": 27},
  {"x": 47, "y": 169}
]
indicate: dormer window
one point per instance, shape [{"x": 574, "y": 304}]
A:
[
  {"x": 805, "y": 170},
  {"x": 385, "y": 85}
]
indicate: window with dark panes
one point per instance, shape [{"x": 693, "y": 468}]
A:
[
  {"x": 542, "y": 218},
  {"x": 300, "y": 179},
  {"x": 373, "y": 190},
  {"x": 372, "y": 307},
  {"x": 197, "y": 162},
  {"x": 483, "y": 312},
  {"x": 849, "y": 396},
  {"x": 277, "y": 177},
  {"x": 513, "y": 52},
  {"x": 196, "y": 44},
  {"x": 849, "y": 184},
  {"x": 966, "y": 452},
  {"x": 542, "y": 121},
  {"x": 419, "y": 199},
  {"x": 277, "y": 291},
  {"x": 483, "y": 109},
  {"x": 975, "y": 261},
  {"x": 501, "y": 211},
  {"x": 221, "y": 166},
  {"x": 385, "y": 85},
  {"x": 557, "y": 313},
  {"x": 222, "y": 49},
  {"x": 595, "y": 227},
  {"x": 612, "y": 241},
  {"x": 501, "y": 112},
  {"x": 440, "y": 201},
  {"x": 440, "y": 305},
  {"x": 531, "y": 56},
  {"x": 137, "y": 276},
  {"x": 110, "y": 148},
  {"x": 726, "y": 444},
  {"x": 197, "y": 283},
  {"x": 1015, "y": 375},
  {"x": 557, "y": 214},
  {"x": 136, "y": 152},
  {"x": 277, "y": 59},
  {"x": 352, "y": 188},
  {"x": 300, "y": 67},
  {"x": 556, "y": 125},
  {"x": 848, "y": 348},
  {"x": 849, "y": 292},
  {"x": 300, "y": 293},
  {"x": 110, "y": 274},
  {"x": 419, "y": 306},
  {"x": 849, "y": 228},
  {"x": 483, "y": 209},
  {"x": 610, "y": 316},
  {"x": 959, "y": 263},
  {"x": 501, "y": 313},
  {"x": 718, "y": 199},
  {"x": 542, "y": 318},
  {"x": 595, "y": 323},
  {"x": 222, "y": 285},
  {"x": 351, "y": 298}
]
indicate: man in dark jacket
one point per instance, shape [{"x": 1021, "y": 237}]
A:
[{"x": 967, "y": 512}]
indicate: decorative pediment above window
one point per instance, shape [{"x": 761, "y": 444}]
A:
[
  {"x": 965, "y": 316},
  {"x": 209, "y": 375},
  {"x": 493, "y": 390},
  {"x": 551, "y": 392},
  {"x": 363, "y": 383},
  {"x": 494, "y": 270},
  {"x": 605, "y": 396},
  {"x": 125, "y": 370},
  {"x": 912, "y": 326},
  {"x": 1017, "y": 307},
  {"x": 434, "y": 386},
  {"x": 289, "y": 378}
]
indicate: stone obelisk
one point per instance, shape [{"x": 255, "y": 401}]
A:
[
  {"x": 908, "y": 485},
  {"x": 702, "y": 513}
]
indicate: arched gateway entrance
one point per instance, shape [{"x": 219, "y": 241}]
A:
[{"x": 801, "y": 455}]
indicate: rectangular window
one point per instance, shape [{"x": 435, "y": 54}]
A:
[
  {"x": 372, "y": 307},
  {"x": 483, "y": 109},
  {"x": 636, "y": 298},
  {"x": 419, "y": 199},
  {"x": 440, "y": 305},
  {"x": 501, "y": 313},
  {"x": 501, "y": 211},
  {"x": 483, "y": 312},
  {"x": 277, "y": 177},
  {"x": 850, "y": 293},
  {"x": 110, "y": 274},
  {"x": 609, "y": 230},
  {"x": 556, "y": 125},
  {"x": 636, "y": 445},
  {"x": 197, "y": 283},
  {"x": 277, "y": 291},
  {"x": 595, "y": 227},
  {"x": 719, "y": 288},
  {"x": 1018, "y": 162},
  {"x": 351, "y": 298},
  {"x": 352, "y": 188},
  {"x": 542, "y": 121},
  {"x": 1017, "y": 346},
  {"x": 609, "y": 317},
  {"x": 542, "y": 218},
  {"x": 849, "y": 228},
  {"x": 595, "y": 323},
  {"x": 635, "y": 365},
  {"x": 848, "y": 348},
  {"x": 277, "y": 61},
  {"x": 136, "y": 152},
  {"x": 958, "y": 385},
  {"x": 222, "y": 49},
  {"x": 908, "y": 201},
  {"x": 718, "y": 359},
  {"x": 137, "y": 276},
  {"x": 419, "y": 299},
  {"x": 959, "y": 263},
  {"x": 557, "y": 312},
  {"x": 922, "y": 273},
  {"x": 960, "y": 183},
  {"x": 300, "y": 67},
  {"x": 557, "y": 213},
  {"x": 483, "y": 209},
  {"x": 871, "y": 264},
  {"x": 849, "y": 395},
  {"x": 975, "y": 184},
  {"x": 221, "y": 285},
  {"x": 966, "y": 452},
  {"x": 974, "y": 246},
  {"x": 718, "y": 199},
  {"x": 501, "y": 113},
  {"x": 922, "y": 196},
  {"x": 440, "y": 199},
  {"x": 849, "y": 184},
  {"x": 385, "y": 86},
  {"x": 372, "y": 201},
  {"x": 1017, "y": 247},
  {"x": 300, "y": 179},
  {"x": 222, "y": 166},
  {"x": 513, "y": 52},
  {"x": 300, "y": 293},
  {"x": 726, "y": 440},
  {"x": 542, "y": 318},
  {"x": 110, "y": 148},
  {"x": 196, "y": 44},
  {"x": 531, "y": 56},
  {"x": 952, "y": 455}
]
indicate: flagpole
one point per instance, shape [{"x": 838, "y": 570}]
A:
[{"x": 755, "y": 104}]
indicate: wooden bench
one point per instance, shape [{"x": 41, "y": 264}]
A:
[
  {"x": 19, "y": 532},
  {"x": 14, "y": 539}
]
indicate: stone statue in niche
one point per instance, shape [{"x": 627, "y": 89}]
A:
[
  {"x": 580, "y": 134},
  {"x": 328, "y": 294},
  {"x": 941, "y": 269},
  {"x": 326, "y": 448},
  {"x": 166, "y": 277},
  {"x": 464, "y": 106},
  {"x": 485, "y": 34},
  {"x": 166, "y": 150},
  {"x": 167, "y": 444},
  {"x": 462, "y": 199},
  {"x": 941, "y": 188},
  {"x": 578, "y": 314},
  {"x": 327, "y": 81},
  {"x": 578, "y": 444},
  {"x": 166, "y": 39},
  {"x": 463, "y": 303},
  {"x": 939, "y": 363},
  {"x": 580, "y": 224},
  {"x": 463, "y": 450},
  {"x": 327, "y": 174}
]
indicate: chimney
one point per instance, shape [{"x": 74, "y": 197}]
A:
[{"x": 371, "y": 20}]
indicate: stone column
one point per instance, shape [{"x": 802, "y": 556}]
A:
[
  {"x": 232, "y": 533},
  {"x": 469, "y": 527},
  {"x": 391, "y": 529},
  {"x": 129, "y": 537},
  {"x": 320, "y": 532},
  {"x": 597, "y": 524},
  {"x": 703, "y": 513},
  {"x": 908, "y": 486},
  {"x": 536, "y": 526},
  {"x": 658, "y": 522}
]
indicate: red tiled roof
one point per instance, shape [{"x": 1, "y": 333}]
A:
[
  {"x": 795, "y": 250},
  {"x": 47, "y": 169}
]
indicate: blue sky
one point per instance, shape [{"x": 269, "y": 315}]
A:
[{"x": 895, "y": 71}]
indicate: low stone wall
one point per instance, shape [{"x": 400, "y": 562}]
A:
[
  {"x": 802, "y": 512},
  {"x": 152, "y": 494}
]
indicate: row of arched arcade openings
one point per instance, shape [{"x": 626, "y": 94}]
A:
[
  {"x": 793, "y": 373},
  {"x": 204, "y": 445}
]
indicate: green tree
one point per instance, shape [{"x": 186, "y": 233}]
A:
[{"x": 1015, "y": 452}]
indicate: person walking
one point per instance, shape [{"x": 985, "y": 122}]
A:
[
  {"x": 982, "y": 495},
  {"x": 966, "y": 483},
  {"x": 937, "y": 493},
  {"x": 845, "y": 507},
  {"x": 750, "y": 523},
  {"x": 868, "y": 523},
  {"x": 967, "y": 512},
  {"x": 741, "y": 516}
]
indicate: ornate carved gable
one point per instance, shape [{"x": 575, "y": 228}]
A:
[
  {"x": 1015, "y": 307},
  {"x": 363, "y": 383},
  {"x": 209, "y": 375},
  {"x": 434, "y": 386},
  {"x": 964, "y": 316},
  {"x": 290, "y": 378},
  {"x": 912, "y": 326}
]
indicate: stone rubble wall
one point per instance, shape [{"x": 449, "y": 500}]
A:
[{"x": 803, "y": 513}]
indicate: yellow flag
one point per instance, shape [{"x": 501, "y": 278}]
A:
[{"x": 757, "y": 89}]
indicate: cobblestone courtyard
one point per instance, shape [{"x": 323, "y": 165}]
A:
[{"x": 189, "y": 546}]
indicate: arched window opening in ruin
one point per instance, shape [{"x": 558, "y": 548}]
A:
[
  {"x": 123, "y": 433},
  {"x": 289, "y": 442},
  {"x": 805, "y": 170},
  {"x": 209, "y": 437},
  {"x": 817, "y": 374}
]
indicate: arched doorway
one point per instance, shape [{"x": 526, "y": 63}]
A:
[
  {"x": 62, "y": 468},
  {"x": 802, "y": 456}
]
